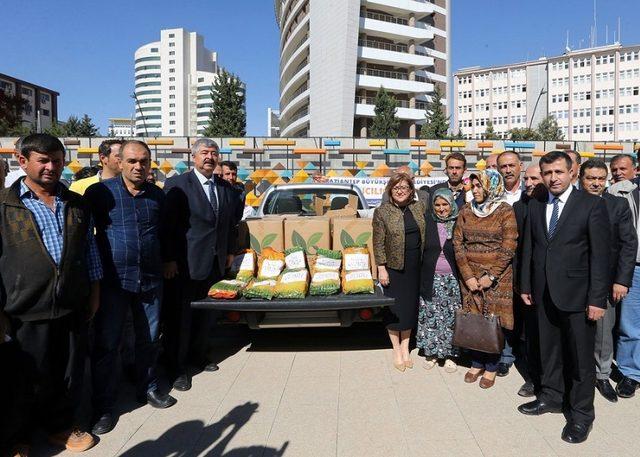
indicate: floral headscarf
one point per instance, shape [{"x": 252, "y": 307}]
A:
[
  {"x": 450, "y": 220},
  {"x": 493, "y": 184}
]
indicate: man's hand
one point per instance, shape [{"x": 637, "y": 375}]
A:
[
  {"x": 230, "y": 258},
  {"x": 485, "y": 282},
  {"x": 527, "y": 299},
  {"x": 594, "y": 313},
  {"x": 619, "y": 292},
  {"x": 472, "y": 284},
  {"x": 170, "y": 269},
  {"x": 383, "y": 276}
]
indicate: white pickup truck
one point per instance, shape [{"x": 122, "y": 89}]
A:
[{"x": 323, "y": 311}]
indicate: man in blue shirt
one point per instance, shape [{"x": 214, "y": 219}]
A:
[
  {"x": 49, "y": 269},
  {"x": 128, "y": 213}
]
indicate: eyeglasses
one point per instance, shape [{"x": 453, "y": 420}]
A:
[{"x": 401, "y": 189}]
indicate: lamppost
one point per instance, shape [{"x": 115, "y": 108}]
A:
[
  {"x": 543, "y": 90},
  {"x": 144, "y": 123}
]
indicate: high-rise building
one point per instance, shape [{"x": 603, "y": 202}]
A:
[
  {"x": 173, "y": 80},
  {"x": 593, "y": 93},
  {"x": 273, "y": 123},
  {"x": 41, "y": 109},
  {"x": 336, "y": 54}
]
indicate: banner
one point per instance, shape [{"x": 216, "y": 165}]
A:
[{"x": 373, "y": 188}]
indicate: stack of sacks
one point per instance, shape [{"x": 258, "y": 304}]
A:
[
  {"x": 326, "y": 273},
  {"x": 241, "y": 272},
  {"x": 356, "y": 273},
  {"x": 270, "y": 266}
]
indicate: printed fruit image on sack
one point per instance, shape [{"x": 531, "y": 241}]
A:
[
  {"x": 325, "y": 283},
  {"x": 356, "y": 258},
  {"x": 327, "y": 260},
  {"x": 271, "y": 264},
  {"x": 258, "y": 288},
  {"x": 243, "y": 267},
  {"x": 292, "y": 284},
  {"x": 357, "y": 282},
  {"x": 227, "y": 289},
  {"x": 295, "y": 258}
]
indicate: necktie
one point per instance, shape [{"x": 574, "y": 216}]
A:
[
  {"x": 212, "y": 196},
  {"x": 553, "y": 222}
]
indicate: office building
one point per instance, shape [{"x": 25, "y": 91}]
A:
[
  {"x": 336, "y": 54},
  {"x": 173, "y": 79},
  {"x": 41, "y": 109},
  {"x": 273, "y": 123},
  {"x": 593, "y": 94},
  {"x": 121, "y": 127}
]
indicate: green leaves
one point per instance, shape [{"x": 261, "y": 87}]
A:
[
  {"x": 297, "y": 240},
  {"x": 268, "y": 239},
  {"x": 255, "y": 244},
  {"x": 309, "y": 245},
  {"x": 313, "y": 240},
  {"x": 347, "y": 240},
  {"x": 363, "y": 238},
  {"x": 228, "y": 115}
]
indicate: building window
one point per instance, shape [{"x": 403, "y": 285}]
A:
[
  {"x": 172, "y": 35},
  {"x": 171, "y": 79},
  {"x": 172, "y": 45},
  {"x": 154, "y": 49},
  {"x": 172, "y": 131},
  {"x": 172, "y": 53},
  {"x": 172, "y": 114},
  {"x": 172, "y": 70},
  {"x": 26, "y": 91},
  {"x": 44, "y": 98},
  {"x": 172, "y": 122},
  {"x": 45, "y": 112},
  {"x": 172, "y": 87},
  {"x": 200, "y": 80},
  {"x": 172, "y": 105},
  {"x": 171, "y": 62},
  {"x": 171, "y": 97}
]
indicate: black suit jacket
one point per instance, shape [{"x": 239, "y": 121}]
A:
[
  {"x": 520, "y": 209},
  {"x": 196, "y": 236},
  {"x": 460, "y": 201},
  {"x": 430, "y": 257},
  {"x": 574, "y": 264},
  {"x": 624, "y": 240}
]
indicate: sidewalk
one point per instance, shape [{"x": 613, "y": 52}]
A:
[{"x": 353, "y": 403}]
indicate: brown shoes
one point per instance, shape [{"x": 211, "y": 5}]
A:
[
  {"x": 486, "y": 383},
  {"x": 470, "y": 377},
  {"x": 74, "y": 440}
]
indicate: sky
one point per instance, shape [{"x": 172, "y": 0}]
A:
[{"x": 84, "y": 49}]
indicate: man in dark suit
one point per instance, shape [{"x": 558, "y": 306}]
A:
[
  {"x": 564, "y": 273},
  {"x": 455, "y": 166},
  {"x": 624, "y": 245},
  {"x": 202, "y": 222}
]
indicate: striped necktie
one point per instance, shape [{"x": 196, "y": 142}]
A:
[
  {"x": 212, "y": 196},
  {"x": 553, "y": 222}
]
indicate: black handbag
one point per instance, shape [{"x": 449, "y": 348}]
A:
[{"x": 478, "y": 332}]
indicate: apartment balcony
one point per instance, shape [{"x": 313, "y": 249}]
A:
[
  {"x": 303, "y": 70},
  {"x": 391, "y": 54},
  {"x": 300, "y": 29},
  {"x": 390, "y": 80},
  {"x": 301, "y": 53},
  {"x": 298, "y": 121},
  {"x": 294, "y": 101},
  {"x": 365, "y": 108},
  {"x": 402, "y": 6},
  {"x": 383, "y": 26}
]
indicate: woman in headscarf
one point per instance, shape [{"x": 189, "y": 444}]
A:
[
  {"x": 485, "y": 241},
  {"x": 439, "y": 289}
]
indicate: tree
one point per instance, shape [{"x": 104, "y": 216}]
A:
[
  {"x": 228, "y": 116},
  {"x": 523, "y": 134},
  {"x": 87, "y": 127},
  {"x": 385, "y": 123},
  {"x": 548, "y": 129},
  {"x": 436, "y": 125},
  {"x": 56, "y": 129},
  {"x": 490, "y": 133},
  {"x": 11, "y": 109},
  {"x": 71, "y": 127}
]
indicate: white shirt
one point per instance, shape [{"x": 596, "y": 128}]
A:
[
  {"x": 205, "y": 186},
  {"x": 512, "y": 197},
  {"x": 562, "y": 201},
  {"x": 13, "y": 176}
]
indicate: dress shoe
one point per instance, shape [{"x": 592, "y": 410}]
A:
[
  {"x": 486, "y": 383},
  {"x": 503, "y": 369},
  {"x": 157, "y": 400},
  {"x": 538, "y": 407},
  {"x": 182, "y": 383},
  {"x": 211, "y": 366},
  {"x": 627, "y": 387},
  {"x": 470, "y": 377},
  {"x": 606, "y": 390},
  {"x": 74, "y": 440},
  {"x": 575, "y": 433},
  {"x": 527, "y": 390},
  {"x": 104, "y": 424}
]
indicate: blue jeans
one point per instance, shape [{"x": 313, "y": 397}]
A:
[
  {"x": 628, "y": 356},
  {"x": 507, "y": 356},
  {"x": 489, "y": 362},
  {"x": 108, "y": 329}
]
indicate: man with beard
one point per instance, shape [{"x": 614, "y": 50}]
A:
[
  {"x": 202, "y": 235},
  {"x": 455, "y": 166},
  {"x": 624, "y": 245}
]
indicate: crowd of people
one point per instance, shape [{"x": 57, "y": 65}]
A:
[
  {"x": 83, "y": 268},
  {"x": 545, "y": 256},
  {"x": 100, "y": 269}
]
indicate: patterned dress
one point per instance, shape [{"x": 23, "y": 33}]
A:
[{"x": 436, "y": 317}]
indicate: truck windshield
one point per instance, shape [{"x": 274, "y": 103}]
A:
[{"x": 305, "y": 201}]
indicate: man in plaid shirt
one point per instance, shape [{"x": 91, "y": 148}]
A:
[{"x": 50, "y": 271}]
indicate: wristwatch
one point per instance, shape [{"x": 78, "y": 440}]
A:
[{"x": 492, "y": 278}]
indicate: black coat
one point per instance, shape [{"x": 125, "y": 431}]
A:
[
  {"x": 624, "y": 240},
  {"x": 195, "y": 235},
  {"x": 574, "y": 264},
  {"x": 460, "y": 201},
  {"x": 430, "y": 257},
  {"x": 520, "y": 209}
]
